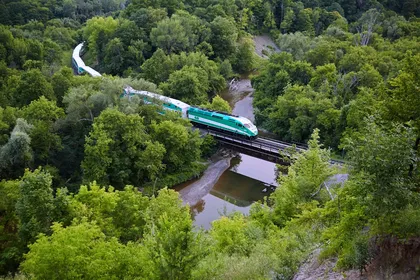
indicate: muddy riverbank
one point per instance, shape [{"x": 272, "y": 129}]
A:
[
  {"x": 264, "y": 45},
  {"x": 193, "y": 191}
]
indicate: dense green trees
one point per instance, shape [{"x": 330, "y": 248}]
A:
[
  {"x": 117, "y": 150},
  {"x": 170, "y": 36},
  {"x": 35, "y": 204},
  {"x": 218, "y": 104},
  {"x": 23, "y": 11},
  {"x": 189, "y": 77},
  {"x": 340, "y": 70},
  {"x": 16, "y": 154},
  {"x": 170, "y": 248},
  {"x": 79, "y": 251},
  {"x": 348, "y": 71},
  {"x": 223, "y": 37},
  {"x": 108, "y": 233},
  {"x": 189, "y": 84},
  {"x": 10, "y": 246},
  {"x": 42, "y": 114},
  {"x": 303, "y": 183}
]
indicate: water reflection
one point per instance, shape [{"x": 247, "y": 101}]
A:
[
  {"x": 255, "y": 168},
  {"x": 246, "y": 181}
]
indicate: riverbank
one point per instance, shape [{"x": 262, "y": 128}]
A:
[
  {"x": 195, "y": 191},
  {"x": 264, "y": 45}
]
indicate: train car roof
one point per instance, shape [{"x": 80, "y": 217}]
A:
[
  {"x": 91, "y": 71},
  {"x": 167, "y": 99},
  {"x": 163, "y": 98},
  {"x": 243, "y": 119},
  {"x": 178, "y": 103},
  {"x": 215, "y": 112},
  {"x": 76, "y": 55}
]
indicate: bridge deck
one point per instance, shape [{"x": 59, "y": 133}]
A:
[{"x": 266, "y": 147}]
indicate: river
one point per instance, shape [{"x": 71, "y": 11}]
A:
[{"x": 233, "y": 181}]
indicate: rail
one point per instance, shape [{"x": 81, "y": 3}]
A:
[
  {"x": 262, "y": 145},
  {"x": 290, "y": 144}
]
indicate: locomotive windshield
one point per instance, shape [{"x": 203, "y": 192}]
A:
[{"x": 247, "y": 125}]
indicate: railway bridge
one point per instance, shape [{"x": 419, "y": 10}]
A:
[{"x": 261, "y": 147}]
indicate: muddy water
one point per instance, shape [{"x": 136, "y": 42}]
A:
[{"x": 234, "y": 181}]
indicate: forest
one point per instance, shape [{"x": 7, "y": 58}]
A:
[{"x": 86, "y": 176}]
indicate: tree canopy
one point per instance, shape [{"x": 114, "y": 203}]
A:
[{"x": 85, "y": 171}]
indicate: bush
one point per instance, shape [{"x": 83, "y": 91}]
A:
[{"x": 209, "y": 146}]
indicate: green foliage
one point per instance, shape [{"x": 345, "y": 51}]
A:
[
  {"x": 96, "y": 31},
  {"x": 170, "y": 242},
  {"x": 404, "y": 224},
  {"x": 295, "y": 43},
  {"x": 182, "y": 146},
  {"x": 61, "y": 82},
  {"x": 218, "y": 104},
  {"x": 378, "y": 197},
  {"x": 300, "y": 110},
  {"x": 114, "y": 56},
  {"x": 116, "y": 136},
  {"x": 127, "y": 215},
  {"x": 42, "y": 114},
  {"x": 34, "y": 205},
  {"x": 262, "y": 252},
  {"x": 159, "y": 68},
  {"x": 7, "y": 121},
  {"x": 403, "y": 104},
  {"x": 230, "y": 236},
  {"x": 226, "y": 69},
  {"x": 208, "y": 146},
  {"x": 16, "y": 154},
  {"x": 10, "y": 246},
  {"x": 82, "y": 251},
  {"x": 223, "y": 37},
  {"x": 190, "y": 84},
  {"x": 244, "y": 57},
  {"x": 340, "y": 63},
  {"x": 304, "y": 180},
  {"x": 156, "y": 68},
  {"x": 170, "y": 36},
  {"x": 32, "y": 86},
  {"x": 386, "y": 186}
]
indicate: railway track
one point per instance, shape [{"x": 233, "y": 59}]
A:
[{"x": 262, "y": 145}]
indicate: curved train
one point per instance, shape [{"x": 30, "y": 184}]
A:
[
  {"x": 79, "y": 66},
  {"x": 224, "y": 122}
]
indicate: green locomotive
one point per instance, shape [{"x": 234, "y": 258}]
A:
[{"x": 223, "y": 122}]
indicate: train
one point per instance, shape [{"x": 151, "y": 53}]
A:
[
  {"x": 227, "y": 123},
  {"x": 220, "y": 121},
  {"x": 79, "y": 66}
]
